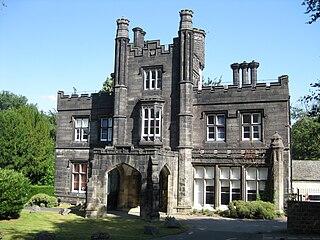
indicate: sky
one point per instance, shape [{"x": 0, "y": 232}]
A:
[{"x": 52, "y": 45}]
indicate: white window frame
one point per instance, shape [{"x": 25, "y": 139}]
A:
[
  {"x": 82, "y": 177},
  {"x": 251, "y": 128},
  {"x": 231, "y": 180},
  {"x": 206, "y": 179},
  {"x": 106, "y": 129},
  {"x": 152, "y": 78},
  {"x": 151, "y": 123},
  {"x": 81, "y": 129},
  {"x": 214, "y": 126},
  {"x": 259, "y": 180}
]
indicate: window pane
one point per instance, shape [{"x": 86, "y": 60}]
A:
[
  {"x": 75, "y": 182},
  {"x": 85, "y": 134},
  {"x": 84, "y": 168},
  {"x": 209, "y": 172},
  {"x": 153, "y": 74},
  {"x": 235, "y": 173},
  {"x": 221, "y": 132},
  {"x": 109, "y": 122},
  {"x": 146, "y": 113},
  {"x": 198, "y": 172},
  {"x": 251, "y": 173},
  {"x": 104, "y": 122},
  {"x": 152, "y": 113},
  {"x": 157, "y": 112},
  {"x": 263, "y": 173},
  {"x": 198, "y": 191},
  {"x": 220, "y": 120},
  {"x": 85, "y": 122},
  {"x": 246, "y": 132},
  {"x": 246, "y": 118},
  {"x": 225, "y": 192},
  {"x": 251, "y": 185},
  {"x": 256, "y": 132},
  {"x": 76, "y": 168},
  {"x": 78, "y": 123},
  {"x": 109, "y": 135},
  {"x": 224, "y": 173},
  {"x": 209, "y": 192},
  {"x": 210, "y": 119},
  {"x": 256, "y": 118},
  {"x": 103, "y": 134}
]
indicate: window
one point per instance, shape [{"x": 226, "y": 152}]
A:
[
  {"x": 216, "y": 130},
  {"x": 251, "y": 126},
  {"x": 151, "y": 121},
  {"x": 152, "y": 79},
  {"x": 81, "y": 132},
  {"x": 79, "y": 177},
  {"x": 230, "y": 184},
  {"x": 203, "y": 186},
  {"x": 106, "y": 130},
  {"x": 256, "y": 182}
]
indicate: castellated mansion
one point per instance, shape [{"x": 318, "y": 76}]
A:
[{"x": 163, "y": 141}]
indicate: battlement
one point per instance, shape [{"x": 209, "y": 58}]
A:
[
  {"x": 151, "y": 48},
  {"x": 83, "y": 101}
]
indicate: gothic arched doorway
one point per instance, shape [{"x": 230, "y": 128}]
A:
[
  {"x": 163, "y": 185},
  {"x": 124, "y": 188}
]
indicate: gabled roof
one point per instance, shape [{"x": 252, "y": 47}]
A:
[{"x": 306, "y": 170}]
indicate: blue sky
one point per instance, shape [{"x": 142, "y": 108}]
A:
[{"x": 52, "y": 45}]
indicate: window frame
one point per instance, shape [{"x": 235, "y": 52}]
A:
[
  {"x": 257, "y": 181},
  {"x": 203, "y": 182},
  {"x": 152, "y": 78},
  {"x": 81, "y": 177},
  {"x": 230, "y": 182},
  {"x": 215, "y": 126},
  {"x": 251, "y": 128},
  {"x": 108, "y": 128},
  {"x": 81, "y": 131},
  {"x": 152, "y": 123}
]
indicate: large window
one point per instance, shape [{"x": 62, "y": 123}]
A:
[
  {"x": 216, "y": 130},
  {"x": 106, "y": 130},
  {"x": 79, "y": 177},
  {"x": 251, "y": 126},
  {"x": 256, "y": 182},
  {"x": 151, "y": 123},
  {"x": 230, "y": 182},
  {"x": 203, "y": 186},
  {"x": 81, "y": 129},
  {"x": 152, "y": 79}
]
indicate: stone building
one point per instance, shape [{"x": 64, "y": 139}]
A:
[{"x": 165, "y": 142}]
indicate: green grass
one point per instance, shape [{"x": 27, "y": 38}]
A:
[{"x": 73, "y": 226}]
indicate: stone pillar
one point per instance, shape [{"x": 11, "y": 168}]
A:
[
  {"x": 96, "y": 194},
  {"x": 185, "y": 112},
  {"x": 150, "y": 191},
  {"x": 244, "y": 68},
  {"x": 138, "y": 40},
  {"x": 235, "y": 69},
  {"x": 253, "y": 72},
  {"x": 277, "y": 149},
  {"x": 120, "y": 79}
]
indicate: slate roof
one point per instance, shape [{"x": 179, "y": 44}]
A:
[{"x": 306, "y": 170}]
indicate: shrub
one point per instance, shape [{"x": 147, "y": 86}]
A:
[
  {"x": 252, "y": 209},
  {"x": 43, "y": 200},
  {"x": 35, "y": 189},
  {"x": 14, "y": 189}
]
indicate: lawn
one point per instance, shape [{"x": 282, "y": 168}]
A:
[{"x": 73, "y": 226}]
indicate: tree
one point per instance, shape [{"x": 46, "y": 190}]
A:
[
  {"x": 10, "y": 100},
  {"x": 306, "y": 139},
  {"x": 313, "y": 8},
  {"x": 107, "y": 86},
  {"x": 25, "y": 142},
  {"x": 14, "y": 189},
  {"x": 313, "y": 100}
]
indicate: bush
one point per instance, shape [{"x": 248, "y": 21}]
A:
[
  {"x": 252, "y": 209},
  {"x": 35, "y": 189},
  {"x": 14, "y": 189},
  {"x": 43, "y": 200}
]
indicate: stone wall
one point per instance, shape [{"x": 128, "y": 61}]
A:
[{"x": 303, "y": 217}]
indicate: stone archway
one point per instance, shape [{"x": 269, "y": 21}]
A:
[
  {"x": 163, "y": 186},
  {"x": 124, "y": 188}
]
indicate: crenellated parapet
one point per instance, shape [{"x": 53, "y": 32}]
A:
[
  {"x": 150, "y": 48},
  {"x": 85, "y": 101}
]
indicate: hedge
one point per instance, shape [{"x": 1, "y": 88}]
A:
[{"x": 35, "y": 189}]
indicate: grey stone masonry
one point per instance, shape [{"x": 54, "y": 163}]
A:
[{"x": 163, "y": 141}]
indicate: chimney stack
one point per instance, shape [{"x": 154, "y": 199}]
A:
[
  {"x": 138, "y": 39},
  {"x": 235, "y": 69}
]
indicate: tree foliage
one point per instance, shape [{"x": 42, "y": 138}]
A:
[
  {"x": 107, "y": 86},
  {"x": 26, "y": 144},
  {"x": 10, "y": 100},
  {"x": 313, "y": 9},
  {"x": 14, "y": 189}
]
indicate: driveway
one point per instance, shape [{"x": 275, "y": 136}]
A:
[{"x": 202, "y": 228}]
